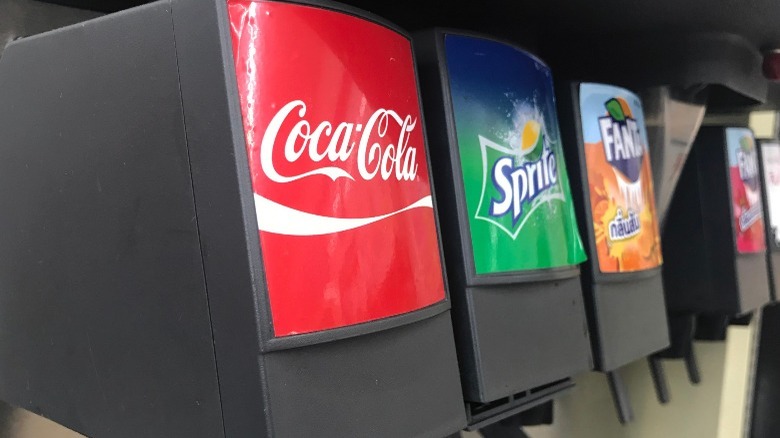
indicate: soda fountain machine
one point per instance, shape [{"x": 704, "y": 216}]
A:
[
  {"x": 511, "y": 242},
  {"x": 606, "y": 144},
  {"x": 221, "y": 224}
]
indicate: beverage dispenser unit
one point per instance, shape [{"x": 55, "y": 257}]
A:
[
  {"x": 23, "y": 18},
  {"x": 769, "y": 164},
  {"x": 510, "y": 238},
  {"x": 714, "y": 235},
  {"x": 220, "y": 224},
  {"x": 606, "y": 146},
  {"x": 716, "y": 72},
  {"x": 673, "y": 116},
  {"x": 678, "y": 75}
]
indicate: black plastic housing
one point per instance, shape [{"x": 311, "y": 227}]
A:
[
  {"x": 133, "y": 300},
  {"x": 625, "y": 311},
  {"x": 703, "y": 272},
  {"x": 514, "y": 332},
  {"x": 773, "y": 250}
]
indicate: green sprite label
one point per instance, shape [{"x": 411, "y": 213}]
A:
[{"x": 519, "y": 204}]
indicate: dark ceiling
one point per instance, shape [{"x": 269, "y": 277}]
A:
[
  {"x": 757, "y": 20},
  {"x": 571, "y": 34}
]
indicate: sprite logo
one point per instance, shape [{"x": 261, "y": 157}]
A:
[{"x": 515, "y": 181}]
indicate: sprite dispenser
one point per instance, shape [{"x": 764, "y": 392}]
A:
[
  {"x": 714, "y": 235},
  {"x": 606, "y": 146},
  {"x": 222, "y": 226},
  {"x": 510, "y": 237}
]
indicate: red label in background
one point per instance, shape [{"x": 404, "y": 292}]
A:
[
  {"x": 337, "y": 157},
  {"x": 746, "y": 198}
]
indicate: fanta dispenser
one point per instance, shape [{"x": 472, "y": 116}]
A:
[
  {"x": 605, "y": 143},
  {"x": 511, "y": 242},
  {"x": 222, "y": 226},
  {"x": 714, "y": 237}
]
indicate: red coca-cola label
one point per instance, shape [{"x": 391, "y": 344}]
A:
[{"x": 339, "y": 172}]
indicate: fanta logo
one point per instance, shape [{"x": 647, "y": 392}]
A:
[
  {"x": 622, "y": 228},
  {"x": 332, "y": 142},
  {"x": 622, "y": 141},
  {"x": 624, "y": 151},
  {"x": 747, "y": 162},
  {"x": 513, "y": 179}
]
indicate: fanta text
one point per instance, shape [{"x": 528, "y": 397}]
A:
[
  {"x": 621, "y": 140},
  {"x": 621, "y": 228},
  {"x": 748, "y": 165}
]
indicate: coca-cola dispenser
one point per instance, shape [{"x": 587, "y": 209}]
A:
[
  {"x": 510, "y": 236},
  {"x": 220, "y": 222}
]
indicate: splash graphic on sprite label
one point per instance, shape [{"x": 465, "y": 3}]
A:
[{"x": 517, "y": 198}]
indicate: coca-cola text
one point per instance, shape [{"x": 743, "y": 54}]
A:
[{"x": 397, "y": 160}]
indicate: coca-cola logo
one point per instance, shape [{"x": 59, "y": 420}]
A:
[
  {"x": 329, "y": 146},
  {"x": 336, "y": 155}
]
